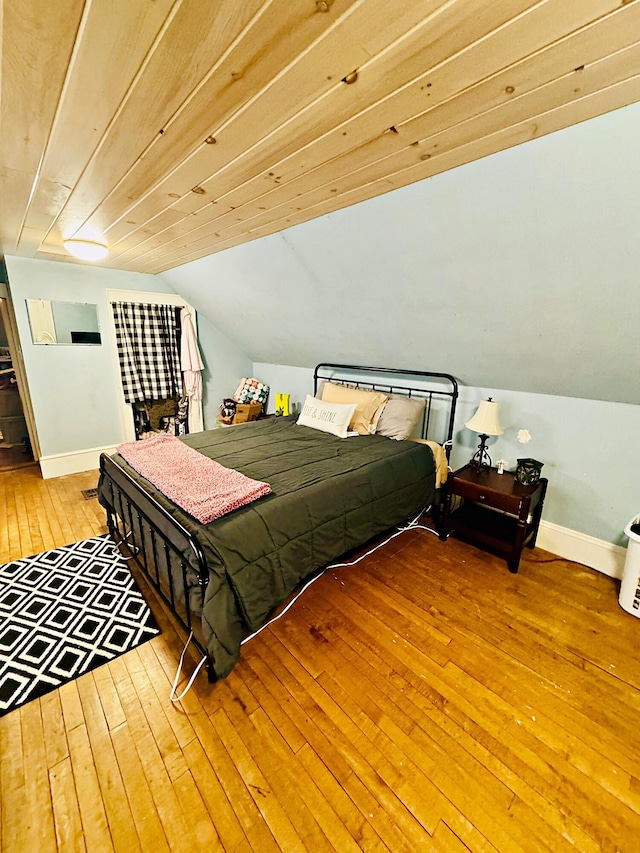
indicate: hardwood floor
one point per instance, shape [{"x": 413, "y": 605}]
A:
[{"x": 424, "y": 700}]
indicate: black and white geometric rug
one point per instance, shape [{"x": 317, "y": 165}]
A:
[{"x": 63, "y": 613}]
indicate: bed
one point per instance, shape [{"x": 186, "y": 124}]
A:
[{"x": 328, "y": 496}]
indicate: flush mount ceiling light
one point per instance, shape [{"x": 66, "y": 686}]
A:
[{"x": 86, "y": 250}]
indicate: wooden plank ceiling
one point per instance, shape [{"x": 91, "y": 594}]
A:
[{"x": 177, "y": 128}]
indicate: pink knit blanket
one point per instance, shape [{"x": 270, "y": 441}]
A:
[{"x": 203, "y": 488}]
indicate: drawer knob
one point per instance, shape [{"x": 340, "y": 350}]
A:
[{"x": 481, "y": 497}]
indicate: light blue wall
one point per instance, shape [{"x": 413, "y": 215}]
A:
[
  {"x": 283, "y": 379},
  {"x": 590, "y": 449},
  {"x": 74, "y": 388},
  {"x": 517, "y": 271},
  {"x": 225, "y": 365}
]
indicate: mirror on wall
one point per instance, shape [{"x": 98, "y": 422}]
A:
[{"x": 63, "y": 322}]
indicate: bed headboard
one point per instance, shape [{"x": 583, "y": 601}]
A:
[{"x": 439, "y": 389}]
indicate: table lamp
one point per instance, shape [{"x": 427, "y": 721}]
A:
[{"x": 485, "y": 422}]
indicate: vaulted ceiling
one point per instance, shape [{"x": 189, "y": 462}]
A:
[{"x": 178, "y": 128}]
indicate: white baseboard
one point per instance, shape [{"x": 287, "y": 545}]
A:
[
  {"x": 72, "y": 463},
  {"x": 581, "y": 548}
]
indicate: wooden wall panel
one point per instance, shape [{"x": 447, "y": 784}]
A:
[
  {"x": 90, "y": 102},
  {"x": 449, "y": 93},
  {"x": 37, "y": 43},
  {"x": 176, "y": 128}
]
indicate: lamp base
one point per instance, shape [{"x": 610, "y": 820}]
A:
[{"x": 481, "y": 461}]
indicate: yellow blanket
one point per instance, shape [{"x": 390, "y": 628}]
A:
[{"x": 440, "y": 459}]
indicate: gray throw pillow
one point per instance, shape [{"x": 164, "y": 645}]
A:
[{"x": 399, "y": 417}]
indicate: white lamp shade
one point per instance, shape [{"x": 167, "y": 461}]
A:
[
  {"x": 86, "y": 250},
  {"x": 485, "y": 421}
]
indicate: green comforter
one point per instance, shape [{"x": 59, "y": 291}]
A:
[{"x": 329, "y": 495}]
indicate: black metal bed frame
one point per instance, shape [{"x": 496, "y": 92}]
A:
[
  {"x": 163, "y": 560},
  {"x": 168, "y": 562},
  {"x": 340, "y": 373}
]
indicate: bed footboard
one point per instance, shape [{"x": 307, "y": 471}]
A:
[{"x": 169, "y": 556}]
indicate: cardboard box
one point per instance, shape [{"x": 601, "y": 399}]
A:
[{"x": 247, "y": 412}]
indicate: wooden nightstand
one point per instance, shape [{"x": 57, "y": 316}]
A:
[{"x": 497, "y": 512}]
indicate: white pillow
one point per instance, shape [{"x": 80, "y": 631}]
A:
[{"x": 327, "y": 417}]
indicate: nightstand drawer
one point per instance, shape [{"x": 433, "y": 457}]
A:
[{"x": 509, "y": 503}]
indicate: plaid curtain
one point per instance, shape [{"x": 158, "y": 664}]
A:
[{"x": 147, "y": 338}]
